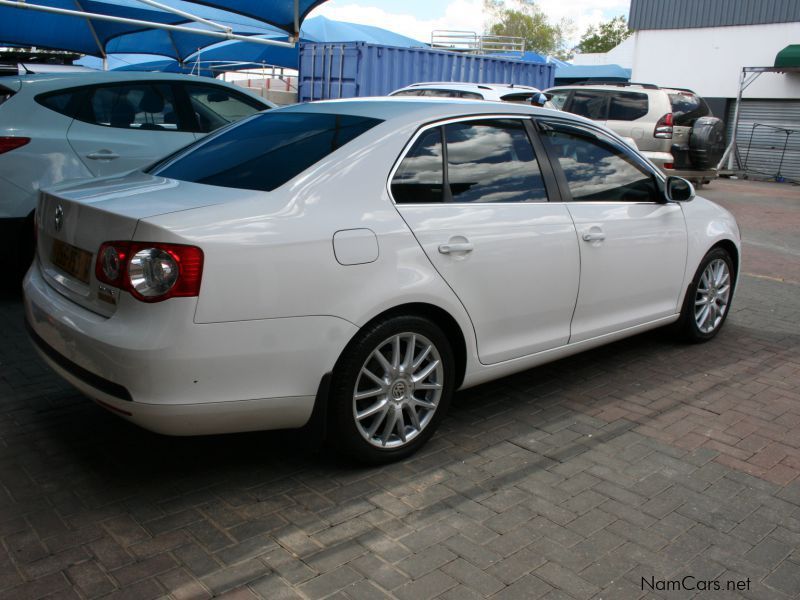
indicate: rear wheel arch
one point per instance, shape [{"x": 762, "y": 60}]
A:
[{"x": 438, "y": 316}]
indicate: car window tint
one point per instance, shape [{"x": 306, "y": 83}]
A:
[
  {"x": 524, "y": 98},
  {"x": 687, "y": 108},
  {"x": 266, "y": 151},
  {"x": 441, "y": 93},
  {"x": 134, "y": 106},
  {"x": 627, "y": 106},
  {"x": 597, "y": 171},
  {"x": 559, "y": 99},
  {"x": 61, "y": 103},
  {"x": 420, "y": 178},
  {"x": 215, "y": 106},
  {"x": 408, "y": 93},
  {"x": 472, "y": 95},
  {"x": 589, "y": 104},
  {"x": 492, "y": 161}
]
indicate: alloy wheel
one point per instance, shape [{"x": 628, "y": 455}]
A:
[
  {"x": 398, "y": 390},
  {"x": 712, "y": 296}
]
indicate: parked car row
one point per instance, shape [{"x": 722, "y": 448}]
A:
[{"x": 355, "y": 262}]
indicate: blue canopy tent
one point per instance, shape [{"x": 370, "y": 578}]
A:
[
  {"x": 568, "y": 74},
  {"x": 241, "y": 54},
  {"x": 174, "y": 28}
]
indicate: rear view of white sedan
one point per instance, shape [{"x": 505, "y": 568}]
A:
[{"x": 369, "y": 257}]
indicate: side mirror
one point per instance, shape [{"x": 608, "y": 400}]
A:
[{"x": 679, "y": 189}]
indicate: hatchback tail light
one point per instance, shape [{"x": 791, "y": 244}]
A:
[
  {"x": 151, "y": 272},
  {"x": 8, "y": 143},
  {"x": 664, "y": 127}
]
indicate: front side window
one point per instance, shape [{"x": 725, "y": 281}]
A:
[
  {"x": 266, "y": 151},
  {"x": 408, "y": 93},
  {"x": 627, "y": 106},
  {"x": 486, "y": 161},
  {"x": 215, "y": 106},
  {"x": 597, "y": 171},
  {"x": 133, "y": 106}
]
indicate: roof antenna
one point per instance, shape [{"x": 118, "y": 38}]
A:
[{"x": 27, "y": 70}]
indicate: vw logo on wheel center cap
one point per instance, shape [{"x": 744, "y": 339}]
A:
[
  {"x": 58, "y": 219},
  {"x": 399, "y": 390}
]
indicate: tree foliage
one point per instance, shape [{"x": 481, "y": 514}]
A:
[
  {"x": 605, "y": 36},
  {"x": 527, "y": 21}
]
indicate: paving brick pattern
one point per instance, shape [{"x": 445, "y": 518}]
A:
[{"x": 645, "y": 459}]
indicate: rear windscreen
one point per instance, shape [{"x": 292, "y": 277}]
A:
[{"x": 266, "y": 151}]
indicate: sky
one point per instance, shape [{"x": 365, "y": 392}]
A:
[{"x": 417, "y": 18}]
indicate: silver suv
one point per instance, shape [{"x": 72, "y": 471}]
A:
[{"x": 673, "y": 127}]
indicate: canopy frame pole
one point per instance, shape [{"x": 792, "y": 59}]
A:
[
  {"x": 96, "y": 38},
  {"x": 225, "y": 35},
  {"x": 745, "y": 81},
  {"x": 296, "y": 20},
  {"x": 182, "y": 13}
]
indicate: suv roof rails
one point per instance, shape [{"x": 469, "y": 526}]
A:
[
  {"x": 647, "y": 86},
  {"x": 485, "y": 86}
]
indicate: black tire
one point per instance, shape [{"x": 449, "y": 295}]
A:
[
  {"x": 686, "y": 328},
  {"x": 343, "y": 428},
  {"x": 707, "y": 143}
]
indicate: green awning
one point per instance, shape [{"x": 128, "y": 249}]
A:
[{"x": 788, "y": 57}]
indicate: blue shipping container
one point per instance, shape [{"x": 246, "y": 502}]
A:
[{"x": 351, "y": 69}]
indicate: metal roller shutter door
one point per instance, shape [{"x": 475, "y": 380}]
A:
[{"x": 763, "y": 155}]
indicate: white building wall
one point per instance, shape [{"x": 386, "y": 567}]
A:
[{"x": 709, "y": 60}]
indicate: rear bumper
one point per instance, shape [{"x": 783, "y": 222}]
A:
[
  {"x": 659, "y": 159},
  {"x": 162, "y": 371}
]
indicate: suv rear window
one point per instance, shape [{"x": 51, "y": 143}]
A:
[
  {"x": 266, "y": 151},
  {"x": 687, "y": 108}
]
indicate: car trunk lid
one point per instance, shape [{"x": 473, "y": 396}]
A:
[{"x": 73, "y": 222}]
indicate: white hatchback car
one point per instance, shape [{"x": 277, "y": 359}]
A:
[
  {"x": 76, "y": 125},
  {"x": 369, "y": 257}
]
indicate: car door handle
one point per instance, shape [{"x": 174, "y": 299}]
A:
[
  {"x": 456, "y": 247},
  {"x": 594, "y": 236},
  {"x": 102, "y": 155}
]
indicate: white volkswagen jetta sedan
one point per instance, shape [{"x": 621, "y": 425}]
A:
[{"x": 369, "y": 257}]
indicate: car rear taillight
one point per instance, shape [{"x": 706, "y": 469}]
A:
[
  {"x": 664, "y": 127},
  {"x": 151, "y": 272},
  {"x": 8, "y": 143},
  {"x": 669, "y": 165}
]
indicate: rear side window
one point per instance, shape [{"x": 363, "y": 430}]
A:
[
  {"x": 440, "y": 93},
  {"x": 133, "y": 106},
  {"x": 589, "y": 104},
  {"x": 215, "y": 106},
  {"x": 627, "y": 106},
  {"x": 492, "y": 161},
  {"x": 487, "y": 161},
  {"x": 408, "y": 93},
  {"x": 266, "y": 151},
  {"x": 66, "y": 103},
  {"x": 687, "y": 108}
]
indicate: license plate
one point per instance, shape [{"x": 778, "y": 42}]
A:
[{"x": 72, "y": 260}]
